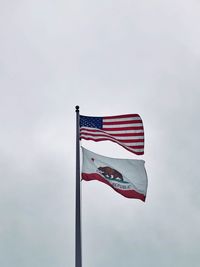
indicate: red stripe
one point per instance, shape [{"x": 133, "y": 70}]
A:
[
  {"x": 122, "y": 116},
  {"x": 129, "y": 134},
  {"x": 131, "y": 141},
  {"x": 82, "y": 130},
  {"x": 122, "y": 122},
  {"x": 125, "y": 193},
  {"x": 105, "y": 133},
  {"x": 123, "y": 129},
  {"x": 113, "y": 139},
  {"x": 137, "y": 153},
  {"x": 137, "y": 147}
]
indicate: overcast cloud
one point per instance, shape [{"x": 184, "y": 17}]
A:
[{"x": 110, "y": 57}]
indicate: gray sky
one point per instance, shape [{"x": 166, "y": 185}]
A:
[{"x": 110, "y": 57}]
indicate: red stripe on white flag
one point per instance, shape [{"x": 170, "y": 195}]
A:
[{"x": 126, "y": 193}]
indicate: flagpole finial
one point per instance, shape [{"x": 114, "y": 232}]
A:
[{"x": 77, "y": 108}]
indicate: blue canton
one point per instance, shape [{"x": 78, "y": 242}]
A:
[{"x": 92, "y": 122}]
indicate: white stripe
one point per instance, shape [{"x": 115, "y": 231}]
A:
[
  {"x": 89, "y": 134},
  {"x": 122, "y": 125},
  {"x": 113, "y": 132},
  {"x": 122, "y": 119},
  {"x": 136, "y": 149},
  {"x": 133, "y": 144}
]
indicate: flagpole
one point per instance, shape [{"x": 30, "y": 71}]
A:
[{"x": 78, "y": 252}]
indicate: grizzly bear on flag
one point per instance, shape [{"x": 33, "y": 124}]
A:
[{"x": 110, "y": 173}]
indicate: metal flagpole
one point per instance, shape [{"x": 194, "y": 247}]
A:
[{"x": 78, "y": 252}]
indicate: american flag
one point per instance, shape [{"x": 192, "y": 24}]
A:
[{"x": 125, "y": 130}]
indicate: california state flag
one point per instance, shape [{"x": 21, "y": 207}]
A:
[{"x": 126, "y": 176}]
